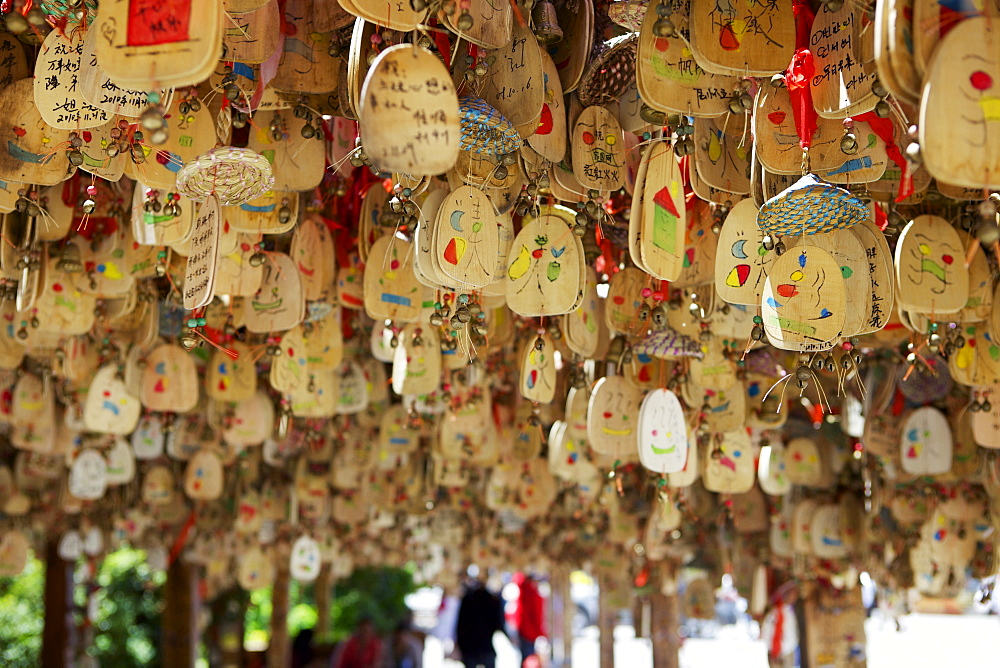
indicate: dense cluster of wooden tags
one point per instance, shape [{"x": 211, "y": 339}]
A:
[{"x": 420, "y": 320}]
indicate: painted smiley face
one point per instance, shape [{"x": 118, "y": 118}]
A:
[
  {"x": 612, "y": 416},
  {"x": 663, "y": 438}
]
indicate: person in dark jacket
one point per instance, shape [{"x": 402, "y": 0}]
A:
[{"x": 480, "y": 615}]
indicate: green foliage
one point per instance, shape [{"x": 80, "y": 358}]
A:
[
  {"x": 302, "y": 615},
  {"x": 256, "y": 630},
  {"x": 129, "y": 607},
  {"x": 22, "y": 616},
  {"x": 378, "y": 592},
  {"x": 375, "y": 592}
]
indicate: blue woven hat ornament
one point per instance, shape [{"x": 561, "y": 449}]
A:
[
  {"x": 810, "y": 206},
  {"x": 484, "y": 130}
]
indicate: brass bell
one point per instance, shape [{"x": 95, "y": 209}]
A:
[
  {"x": 660, "y": 315},
  {"x": 70, "y": 260},
  {"x": 188, "y": 341},
  {"x": 547, "y": 30},
  {"x": 849, "y": 143}
]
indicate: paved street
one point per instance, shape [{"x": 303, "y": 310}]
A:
[{"x": 926, "y": 641}]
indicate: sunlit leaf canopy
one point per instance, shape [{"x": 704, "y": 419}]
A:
[{"x": 294, "y": 283}]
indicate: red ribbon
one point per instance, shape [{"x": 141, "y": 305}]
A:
[
  {"x": 797, "y": 79},
  {"x": 804, "y": 18},
  {"x": 779, "y": 628},
  {"x": 443, "y": 45},
  {"x": 885, "y": 130},
  {"x": 881, "y": 219},
  {"x": 182, "y": 537},
  {"x": 898, "y": 404},
  {"x": 800, "y": 73}
]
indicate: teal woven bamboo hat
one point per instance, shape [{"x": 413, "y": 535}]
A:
[
  {"x": 810, "y": 206},
  {"x": 484, "y": 130}
]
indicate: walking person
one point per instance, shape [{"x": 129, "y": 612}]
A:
[
  {"x": 480, "y": 615},
  {"x": 529, "y": 616}
]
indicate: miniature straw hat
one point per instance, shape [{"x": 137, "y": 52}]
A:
[
  {"x": 810, "y": 206},
  {"x": 484, "y": 129}
]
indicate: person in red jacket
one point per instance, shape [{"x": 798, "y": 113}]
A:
[
  {"x": 361, "y": 650},
  {"x": 529, "y": 615}
]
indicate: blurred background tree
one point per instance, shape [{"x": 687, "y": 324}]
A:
[
  {"x": 129, "y": 604},
  {"x": 22, "y": 615},
  {"x": 375, "y": 592}
]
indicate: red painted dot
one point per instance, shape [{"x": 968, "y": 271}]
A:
[
  {"x": 57, "y": 287},
  {"x": 981, "y": 80},
  {"x": 107, "y": 393},
  {"x": 947, "y": 259},
  {"x": 291, "y": 352},
  {"x": 588, "y": 138}
]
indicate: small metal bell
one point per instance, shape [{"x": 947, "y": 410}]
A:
[
  {"x": 650, "y": 115},
  {"x": 849, "y": 143},
  {"x": 16, "y": 23},
  {"x": 70, "y": 260},
  {"x": 660, "y": 315},
  {"x": 664, "y": 27},
  {"x": 257, "y": 259},
  {"x": 547, "y": 30},
  {"x": 188, "y": 341}
]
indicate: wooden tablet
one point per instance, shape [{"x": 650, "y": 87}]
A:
[{"x": 409, "y": 112}]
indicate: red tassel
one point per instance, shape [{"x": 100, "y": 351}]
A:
[
  {"x": 798, "y": 81},
  {"x": 883, "y": 127}
]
